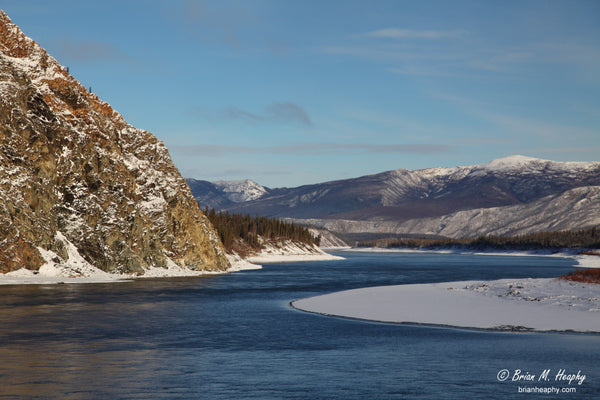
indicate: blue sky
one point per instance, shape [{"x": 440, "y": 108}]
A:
[{"x": 296, "y": 92}]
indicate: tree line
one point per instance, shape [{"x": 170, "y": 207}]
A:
[
  {"x": 570, "y": 239},
  {"x": 243, "y": 232}
]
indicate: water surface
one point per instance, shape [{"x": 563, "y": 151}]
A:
[{"x": 236, "y": 337}]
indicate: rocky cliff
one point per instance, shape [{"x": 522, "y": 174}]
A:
[{"x": 75, "y": 177}]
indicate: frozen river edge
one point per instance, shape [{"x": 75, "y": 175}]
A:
[
  {"x": 543, "y": 305},
  {"x": 50, "y": 274}
]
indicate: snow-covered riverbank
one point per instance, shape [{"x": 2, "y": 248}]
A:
[
  {"x": 507, "y": 304},
  {"x": 50, "y": 274},
  {"x": 291, "y": 252},
  {"x": 79, "y": 271}
]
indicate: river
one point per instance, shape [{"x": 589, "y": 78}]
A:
[{"x": 235, "y": 336}]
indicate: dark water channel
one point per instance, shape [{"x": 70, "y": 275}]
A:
[{"x": 236, "y": 337}]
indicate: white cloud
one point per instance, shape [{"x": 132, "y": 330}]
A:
[
  {"x": 314, "y": 149},
  {"x": 461, "y": 53},
  {"x": 519, "y": 126},
  {"x": 420, "y": 70},
  {"x": 288, "y": 112},
  {"x": 90, "y": 51},
  {"x": 284, "y": 112},
  {"x": 396, "y": 33}
]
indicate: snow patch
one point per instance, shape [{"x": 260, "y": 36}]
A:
[
  {"x": 510, "y": 163},
  {"x": 172, "y": 270},
  {"x": 241, "y": 190},
  {"x": 240, "y": 264},
  {"x": 290, "y": 251},
  {"x": 507, "y": 304},
  {"x": 20, "y": 273},
  {"x": 75, "y": 266},
  {"x": 585, "y": 261},
  {"x": 519, "y": 163}
]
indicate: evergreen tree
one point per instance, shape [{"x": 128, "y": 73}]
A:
[
  {"x": 234, "y": 228},
  {"x": 584, "y": 238}
]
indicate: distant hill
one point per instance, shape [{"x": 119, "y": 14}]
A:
[
  {"x": 222, "y": 194},
  {"x": 510, "y": 195}
]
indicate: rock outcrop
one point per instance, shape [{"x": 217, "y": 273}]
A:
[{"x": 75, "y": 175}]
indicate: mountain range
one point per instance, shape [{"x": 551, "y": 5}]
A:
[{"x": 511, "y": 195}]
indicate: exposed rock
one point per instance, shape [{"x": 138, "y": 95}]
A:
[{"x": 72, "y": 171}]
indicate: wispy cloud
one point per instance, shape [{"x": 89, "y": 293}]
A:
[
  {"x": 288, "y": 112},
  {"x": 206, "y": 20},
  {"x": 482, "y": 140},
  {"x": 534, "y": 127},
  {"x": 519, "y": 125},
  {"x": 284, "y": 112},
  {"x": 88, "y": 51},
  {"x": 407, "y": 51},
  {"x": 501, "y": 60},
  {"x": 237, "y": 25},
  {"x": 234, "y": 113},
  {"x": 421, "y": 70},
  {"x": 406, "y": 59},
  {"x": 323, "y": 149},
  {"x": 364, "y": 148},
  {"x": 462, "y": 53},
  {"x": 573, "y": 152},
  {"x": 397, "y": 33},
  {"x": 237, "y": 173}
]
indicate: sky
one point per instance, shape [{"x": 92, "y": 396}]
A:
[{"x": 290, "y": 92}]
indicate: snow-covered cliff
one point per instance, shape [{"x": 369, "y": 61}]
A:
[{"x": 79, "y": 186}]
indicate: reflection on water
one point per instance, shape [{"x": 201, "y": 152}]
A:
[
  {"x": 234, "y": 336},
  {"x": 72, "y": 372}
]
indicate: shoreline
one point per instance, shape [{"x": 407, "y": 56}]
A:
[
  {"x": 499, "y": 329},
  {"x": 290, "y": 251},
  {"x": 513, "y": 305},
  {"x": 583, "y": 260},
  {"x": 53, "y": 276},
  {"x": 282, "y": 258},
  {"x": 47, "y": 276}
]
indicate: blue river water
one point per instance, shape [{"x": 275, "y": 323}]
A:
[{"x": 235, "y": 336}]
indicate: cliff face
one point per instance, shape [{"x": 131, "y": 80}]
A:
[{"x": 74, "y": 173}]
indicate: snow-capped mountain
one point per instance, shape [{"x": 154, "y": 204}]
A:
[
  {"x": 401, "y": 195},
  {"x": 240, "y": 191},
  {"x": 80, "y": 188},
  {"x": 224, "y": 193}
]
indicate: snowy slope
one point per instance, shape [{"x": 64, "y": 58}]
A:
[
  {"x": 222, "y": 194},
  {"x": 241, "y": 191},
  {"x": 574, "y": 209},
  {"x": 514, "y": 194},
  {"x": 403, "y": 194}
]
